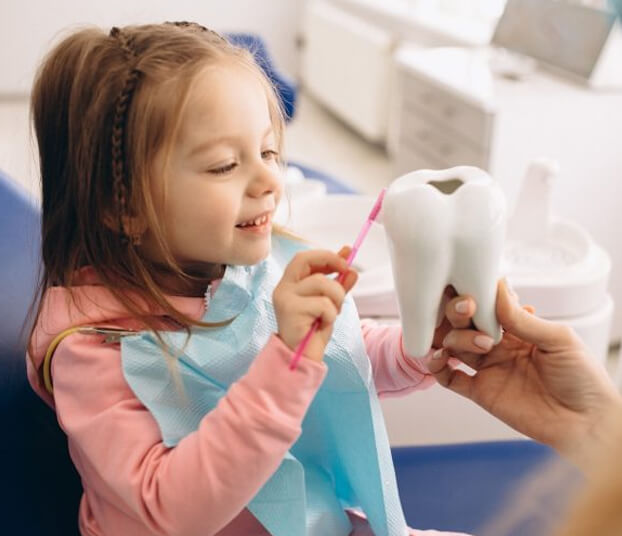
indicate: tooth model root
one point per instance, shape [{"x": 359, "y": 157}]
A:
[{"x": 478, "y": 278}]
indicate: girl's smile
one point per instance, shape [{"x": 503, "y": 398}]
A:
[{"x": 261, "y": 224}]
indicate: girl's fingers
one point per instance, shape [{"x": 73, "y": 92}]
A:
[
  {"x": 320, "y": 307},
  {"x": 350, "y": 280},
  {"x": 351, "y": 276},
  {"x": 313, "y": 261},
  {"x": 344, "y": 252},
  {"x": 321, "y": 261},
  {"x": 320, "y": 285}
]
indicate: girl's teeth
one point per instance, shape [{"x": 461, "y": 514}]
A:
[{"x": 256, "y": 221}]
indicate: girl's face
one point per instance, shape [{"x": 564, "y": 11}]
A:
[{"x": 223, "y": 181}]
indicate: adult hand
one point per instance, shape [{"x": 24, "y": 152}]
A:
[{"x": 540, "y": 379}]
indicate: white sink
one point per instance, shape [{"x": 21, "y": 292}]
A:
[{"x": 563, "y": 274}]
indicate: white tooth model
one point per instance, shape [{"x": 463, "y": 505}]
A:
[{"x": 444, "y": 228}]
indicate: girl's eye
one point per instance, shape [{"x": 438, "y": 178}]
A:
[
  {"x": 223, "y": 169},
  {"x": 270, "y": 154}
]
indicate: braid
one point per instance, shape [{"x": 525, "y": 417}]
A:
[
  {"x": 121, "y": 182},
  {"x": 197, "y": 27},
  {"x": 119, "y": 175}
]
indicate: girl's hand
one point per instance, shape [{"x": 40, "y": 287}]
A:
[
  {"x": 540, "y": 379},
  {"x": 306, "y": 293}
]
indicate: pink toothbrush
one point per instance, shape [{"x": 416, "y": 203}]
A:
[{"x": 340, "y": 278}]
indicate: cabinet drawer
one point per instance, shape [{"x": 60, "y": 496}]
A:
[
  {"x": 419, "y": 131},
  {"x": 466, "y": 119}
]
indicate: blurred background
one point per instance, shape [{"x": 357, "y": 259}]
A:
[{"x": 528, "y": 90}]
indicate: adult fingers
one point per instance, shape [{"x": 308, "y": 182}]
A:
[
  {"x": 460, "y": 310},
  {"x": 448, "y": 374},
  {"x": 468, "y": 340}
]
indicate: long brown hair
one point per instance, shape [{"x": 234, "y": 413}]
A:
[{"x": 103, "y": 105}]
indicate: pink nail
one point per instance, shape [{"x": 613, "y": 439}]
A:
[
  {"x": 462, "y": 307},
  {"x": 438, "y": 354},
  {"x": 484, "y": 342}
]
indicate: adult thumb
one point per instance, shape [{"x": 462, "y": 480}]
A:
[{"x": 545, "y": 334}]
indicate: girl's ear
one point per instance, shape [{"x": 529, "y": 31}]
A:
[{"x": 133, "y": 226}]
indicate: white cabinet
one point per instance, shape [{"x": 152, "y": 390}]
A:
[
  {"x": 449, "y": 109},
  {"x": 346, "y": 65},
  {"x": 442, "y": 125}
]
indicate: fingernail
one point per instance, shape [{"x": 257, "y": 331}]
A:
[
  {"x": 447, "y": 341},
  {"x": 462, "y": 307},
  {"x": 438, "y": 354},
  {"x": 484, "y": 342}
]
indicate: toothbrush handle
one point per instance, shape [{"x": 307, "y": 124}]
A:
[
  {"x": 341, "y": 277},
  {"x": 359, "y": 240},
  {"x": 303, "y": 344}
]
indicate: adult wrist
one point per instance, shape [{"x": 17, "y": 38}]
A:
[{"x": 597, "y": 435}]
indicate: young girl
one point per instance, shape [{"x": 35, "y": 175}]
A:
[{"x": 170, "y": 308}]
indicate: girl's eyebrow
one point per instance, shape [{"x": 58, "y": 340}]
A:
[{"x": 223, "y": 139}]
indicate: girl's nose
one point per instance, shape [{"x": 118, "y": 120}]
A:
[{"x": 266, "y": 179}]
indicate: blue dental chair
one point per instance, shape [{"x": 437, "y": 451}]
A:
[
  {"x": 286, "y": 88},
  {"x": 463, "y": 487},
  {"x": 39, "y": 487}
]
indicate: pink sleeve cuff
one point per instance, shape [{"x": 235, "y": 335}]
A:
[
  {"x": 417, "y": 363},
  {"x": 395, "y": 374}
]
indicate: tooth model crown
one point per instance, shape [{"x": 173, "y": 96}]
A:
[{"x": 444, "y": 228}]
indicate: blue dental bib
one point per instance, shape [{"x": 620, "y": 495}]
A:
[{"x": 341, "y": 459}]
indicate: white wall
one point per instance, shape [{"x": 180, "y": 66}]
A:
[{"x": 28, "y": 27}]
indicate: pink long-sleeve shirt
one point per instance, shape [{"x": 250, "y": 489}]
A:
[{"x": 133, "y": 484}]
